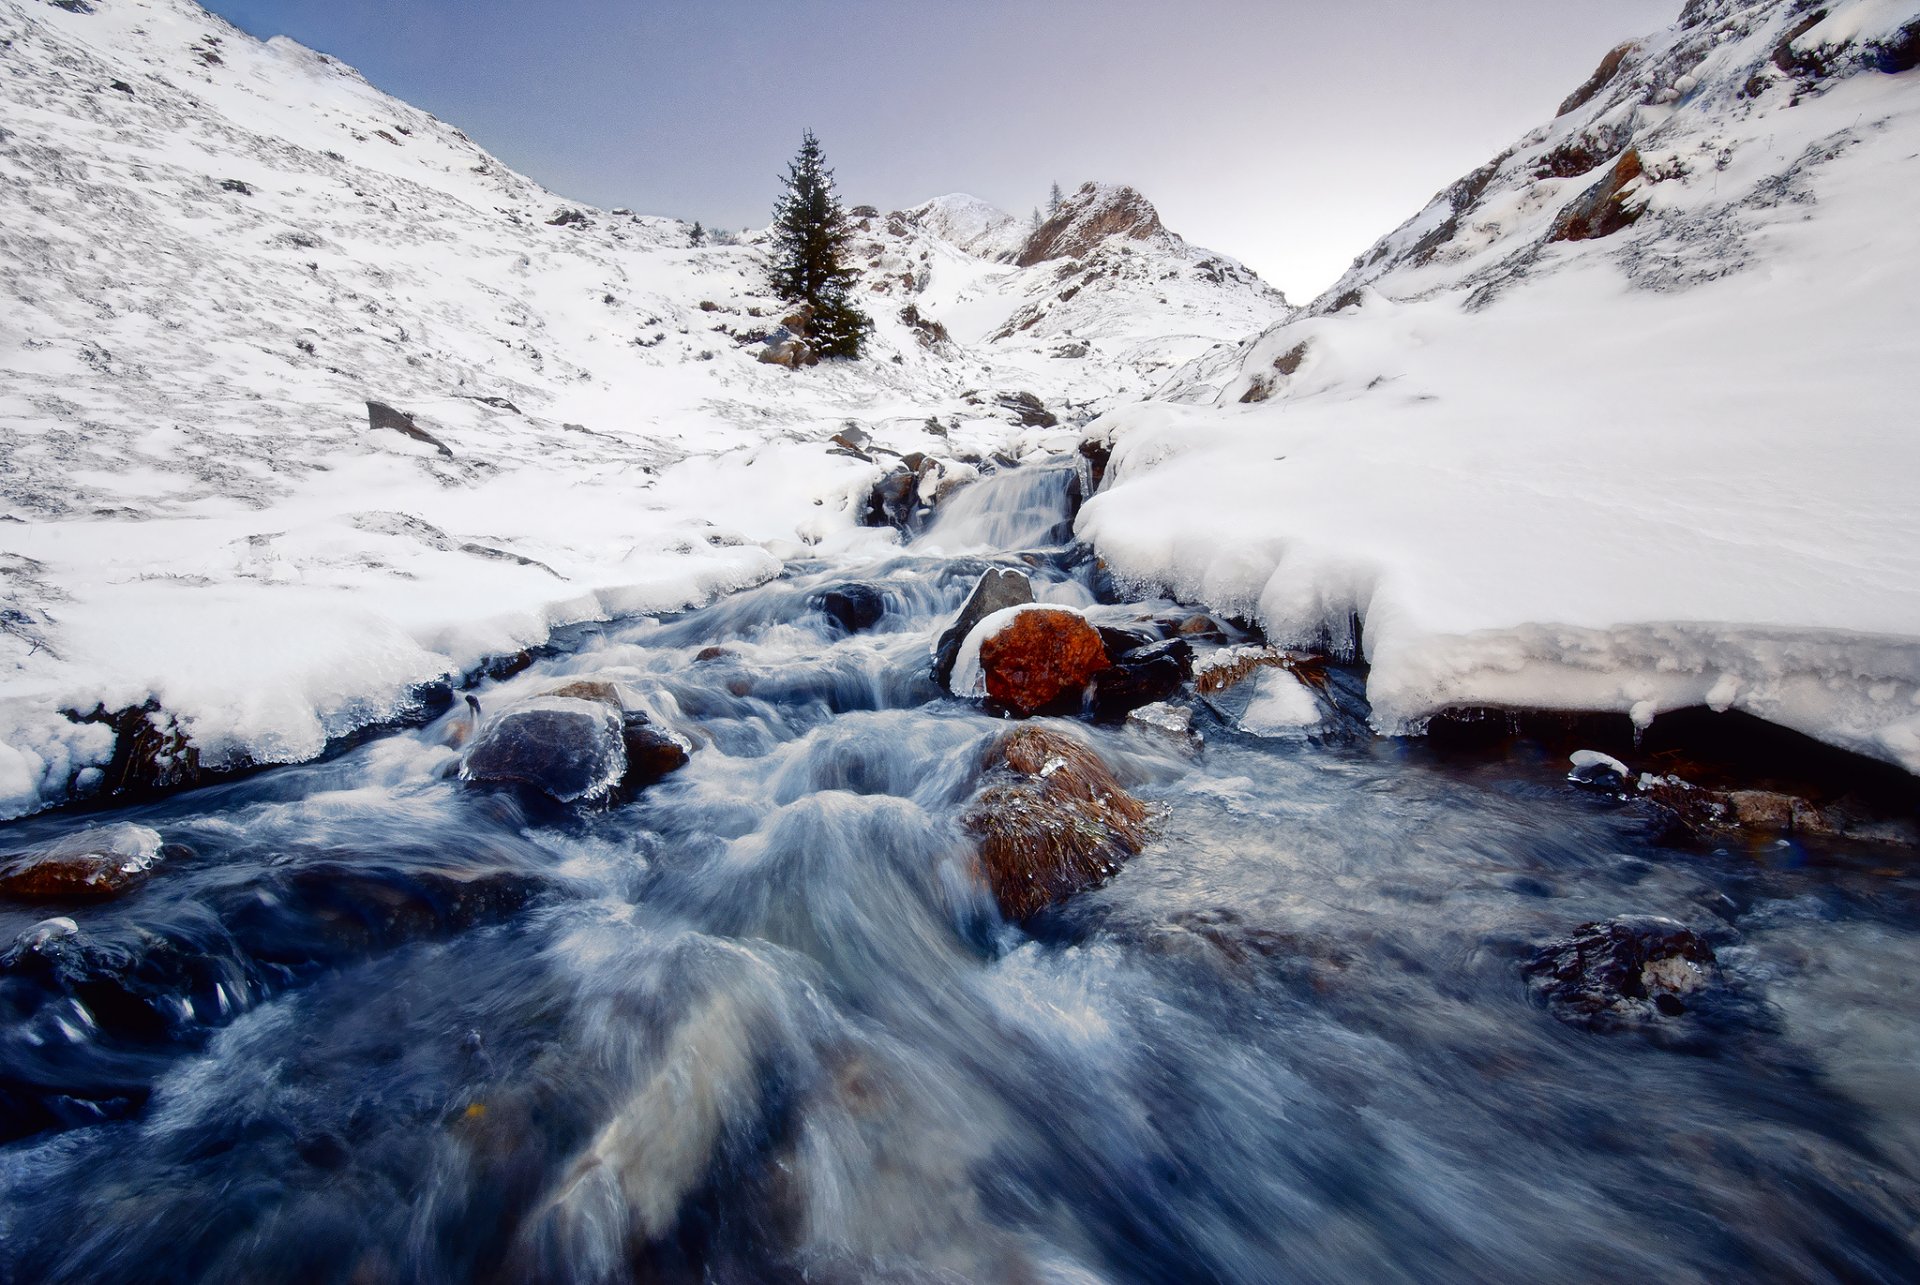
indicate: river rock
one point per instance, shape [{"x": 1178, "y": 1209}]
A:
[
  {"x": 996, "y": 590},
  {"x": 853, "y": 607},
  {"x": 652, "y": 752},
  {"x": 568, "y": 748},
  {"x": 1037, "y": 657},
  {"x": 1621, "y": 972},
  {"x": 1141, "y": 676},
  {"x": 1051, "y": 821},
  {"x": 101, "y": 862}
]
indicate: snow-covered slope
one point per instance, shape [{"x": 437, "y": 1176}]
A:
[
  {"x": 214, "y": 252},
  {"x": 1622, "y": 421}
]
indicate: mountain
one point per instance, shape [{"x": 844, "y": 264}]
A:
[
  {"x": 1621, "y": 421},
  {"x": 215, "y": 252}
]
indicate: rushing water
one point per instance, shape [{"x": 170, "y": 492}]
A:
[{"x": 761, "y": 1025}]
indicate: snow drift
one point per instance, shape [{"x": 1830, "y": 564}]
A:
[{"x": 1596, "y": 434}]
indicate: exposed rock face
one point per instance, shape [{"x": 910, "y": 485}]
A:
[
  {"x": 381, "y": 415},
  {"x": 1039, "y": 658},
  {"x": 1051, "y": 821},
  {"x": 1604, "y": 208},
  {"x": 996, "y": 590},
  {"x": 1091, "y": 215},
  {"x": 1621, "y": 972},
  {"x": 1602, "y": 76},
  {"x": 566, "y": 747},
  {"x": 94, "y": 863}
]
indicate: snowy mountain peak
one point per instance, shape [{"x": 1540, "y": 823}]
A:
[
  {"x": 1098, "y": 212},
  {"x": 980, "y": 229}
]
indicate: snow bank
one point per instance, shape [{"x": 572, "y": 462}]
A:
[{"x": 1673, "y": 467}]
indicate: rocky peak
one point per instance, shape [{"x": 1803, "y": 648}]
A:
[{"x": 1095, "y": 213}]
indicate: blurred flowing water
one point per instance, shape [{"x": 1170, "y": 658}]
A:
[{"x": 761, "y": 1024}]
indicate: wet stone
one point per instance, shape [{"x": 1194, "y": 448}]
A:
[
  {"x": 1621, "y": 972},
  {"x": 567, "y": 748},
  {"x": 1041, "y": 659},
  {"x": 1051, "y": 820},
  {"x": 996, "y": 590},
  {"x": 853, "y": 607},
  {"x": 102, "y": 862}
]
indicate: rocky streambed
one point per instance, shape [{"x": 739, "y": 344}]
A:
[{"x": 960, "y": 916}]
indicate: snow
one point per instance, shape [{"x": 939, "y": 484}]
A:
[
  {"x": 1667, "y": 468},
  {"x": 1281, "y": 705},
  {"x": 1588, "y": 763},
  {"x": 194, "y": 509}
]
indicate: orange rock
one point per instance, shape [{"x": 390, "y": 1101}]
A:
[{"x": 1041, "y": 656}]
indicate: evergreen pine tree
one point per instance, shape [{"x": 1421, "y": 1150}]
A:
[
  {"x": 699, "y": 234},
  {"x": 1053, "y": 200},
  {"x": 810, "y": 238}
]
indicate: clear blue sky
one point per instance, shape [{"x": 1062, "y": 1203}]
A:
[{"x": 1289, "y": 134}]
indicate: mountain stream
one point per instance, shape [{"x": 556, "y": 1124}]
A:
[{"x": 761, "y": 1022}]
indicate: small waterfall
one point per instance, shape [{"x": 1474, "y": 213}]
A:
[{"x": 1023, "y": 508}]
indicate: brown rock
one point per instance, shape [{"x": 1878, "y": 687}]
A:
[
  {"x": 1041, "y": 656},
  {"x": 1051, "y": 821},
  {"x": 589, "y": 689},
  {"x": 1604, "y": 208},
  {"x": 94, "y": 863}
]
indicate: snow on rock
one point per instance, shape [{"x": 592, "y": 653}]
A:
[
  {"x": 216, "y": 252},
  {"x": 1668, "y": 466}
]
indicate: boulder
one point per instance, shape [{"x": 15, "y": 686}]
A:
[
  {"x": 893, "y": 499},
  {"x": 565, "y": 747},
  {"x": 997, "y": 589},
  {"x": 1038, "y": 657},
  {"x": 1050, "y": 821},
  {"x": 1621, "y": 972},
  {"x": 652, "y": 752},
  {"x": 783, "y": 348},
  {"x": 100, "y": 862},
  {"x": 852, "y": 606}
]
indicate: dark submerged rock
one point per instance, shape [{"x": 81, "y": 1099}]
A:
[
  {"x": 996, "y": 590},
  {"x": 1621, "y": 972},
  {"x": 1141, "y": 676},
  {"x": 853, "y": 607}
]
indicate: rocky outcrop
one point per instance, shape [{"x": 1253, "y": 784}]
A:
[
  {"x": 1051, "y": 820},
  {"x": 1097, "y": 212},
  {"x": 1604, "y": 208},
  {"x": 95, "y": 863},
  {"x": 380, "y": 415},
  {"x": 996, "y": 590},
  {"x": 1039, "y": 658}
]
